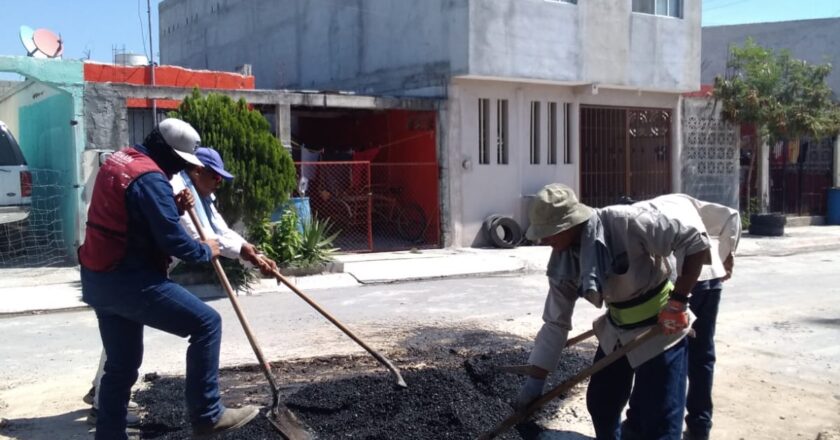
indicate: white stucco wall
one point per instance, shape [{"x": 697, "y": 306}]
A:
[
  {"x": 404, "y": 47},
  {"x": 477, "y": 190},
  {"x": 598, "y": 41}
]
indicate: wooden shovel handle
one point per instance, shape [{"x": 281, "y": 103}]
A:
[{"x": 220, "y": 272}]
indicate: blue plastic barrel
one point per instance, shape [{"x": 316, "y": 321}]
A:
[
  {"x": 301, "y": 207},
  {"x": 832, "y": 217}
]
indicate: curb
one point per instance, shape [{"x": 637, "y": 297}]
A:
[
  {"x": 348, "y": 279},
  {"x": 789, "y": 251}
]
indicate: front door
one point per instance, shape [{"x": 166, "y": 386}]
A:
[{"x": 625, "y": 152}]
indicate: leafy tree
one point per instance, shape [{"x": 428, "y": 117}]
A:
[
  {"x": 265, "y": 173},
  {"x": 783, "y": 97}
]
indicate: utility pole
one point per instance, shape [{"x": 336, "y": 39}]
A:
[{"x": 151, "y": 60}]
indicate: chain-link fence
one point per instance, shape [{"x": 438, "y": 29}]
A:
[
  {"x": 36, "y": 240},
  {"x": 374, "y": 207}
]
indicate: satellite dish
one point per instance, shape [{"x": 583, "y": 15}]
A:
[
  {"x": 27, "y": 38},
  {"x": 48, "y": 43}
]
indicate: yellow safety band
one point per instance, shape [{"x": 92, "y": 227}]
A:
[{"x": 644, "y": 311}]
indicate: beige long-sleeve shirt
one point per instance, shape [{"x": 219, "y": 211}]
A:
[
  {"x": 230, "y": 242},
  {"x": 639, "y": 240},
  {"x": 722, "y": 223}
]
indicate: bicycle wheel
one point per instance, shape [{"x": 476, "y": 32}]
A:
[{"x": 411, "y": 222}]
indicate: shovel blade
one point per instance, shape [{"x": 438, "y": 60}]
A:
[{"x": 287, "y": 424}]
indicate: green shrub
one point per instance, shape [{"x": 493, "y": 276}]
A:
[
  {"x": 294, "y": 244},
  {"x": 265, "y": 173},
  {"x": 753, "y": 208},
  {"x": 279, "y": 240}
]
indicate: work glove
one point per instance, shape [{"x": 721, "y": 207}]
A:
[
  {"x": 673, "y": 318},
  {"x": 530, "y": 391}
]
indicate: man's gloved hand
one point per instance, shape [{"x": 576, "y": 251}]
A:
[
  {"x": 531, "y": 389},
  {"x": 673, "y": 318}
]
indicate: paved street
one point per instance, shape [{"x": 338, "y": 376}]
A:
[{"x": 778, "y": 336}]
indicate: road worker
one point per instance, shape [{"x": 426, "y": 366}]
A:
[
  {"x": 132, "y": 231},
  {"x": 723, "y": 225},
  {"x": 618, "y": 256}
]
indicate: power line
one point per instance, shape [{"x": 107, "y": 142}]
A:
[{"x": 142, "y": 32}]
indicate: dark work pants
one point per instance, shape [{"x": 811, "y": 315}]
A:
[
  {"x": 704, "y": 303},
  {"x": 657, "y": 398},
  {"x": 124, "y": 304}
]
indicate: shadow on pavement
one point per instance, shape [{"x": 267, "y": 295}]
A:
[
  {"x": 562, "y": 435},
  {"x": 66, "y": 426}
]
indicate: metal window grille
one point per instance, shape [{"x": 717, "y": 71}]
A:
[
  {"x": 483, "y": 131},
  {"x": 502, "y": 131},
  {"x": 552, "y": 134},
  {"x": 535, "y": 132},
  {"x": 567, "y": 133}
]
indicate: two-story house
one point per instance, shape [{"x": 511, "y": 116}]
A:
[{"x": 583, "y": 92}]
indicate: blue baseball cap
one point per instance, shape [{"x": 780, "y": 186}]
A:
[{"x": 210, "y": 158}]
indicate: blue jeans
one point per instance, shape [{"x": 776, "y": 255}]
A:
[
  {"x": 657, "y": 398},
  {"x": 704, "y": 303},
  {"x": 126, "y": 301}
]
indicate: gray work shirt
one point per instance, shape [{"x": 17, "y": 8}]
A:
[{"x": 638, "y": 240}]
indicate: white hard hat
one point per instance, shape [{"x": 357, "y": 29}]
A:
[{"x": 182, "y": 137}]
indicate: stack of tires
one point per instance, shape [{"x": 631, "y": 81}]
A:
[
  {"x": 502, "y": 232},
  {"x": 768, "y": 225}
]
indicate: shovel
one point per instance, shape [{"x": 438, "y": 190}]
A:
[
  {"x": 280, "y": 417},
  {"x": 526, "y": 412},
  {"x": 400, "y": 382}
]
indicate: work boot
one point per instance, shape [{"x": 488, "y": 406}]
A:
[
  {"x": 688, "y": 435},
  {"x": 91, "y": 395},
  {"x": 131, "y": 419},
  {"x": 231, "y": 419}
]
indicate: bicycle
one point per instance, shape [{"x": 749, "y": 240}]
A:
[
  {"x": 408, "y": 217},
  {"x": 388, "y": 210}
]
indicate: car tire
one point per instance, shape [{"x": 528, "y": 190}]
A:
[
  {"x": 768, "y": 225},
  {"x": 503, "y": 232}
]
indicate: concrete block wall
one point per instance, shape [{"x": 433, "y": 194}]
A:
[{"x": 710, "y": 157}]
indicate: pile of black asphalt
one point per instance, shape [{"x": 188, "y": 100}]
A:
[{"x": 455, "y": 391}]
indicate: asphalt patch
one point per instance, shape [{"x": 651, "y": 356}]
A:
[{"x": 455, "y": 391}]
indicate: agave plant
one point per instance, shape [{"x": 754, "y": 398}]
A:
[{"x": 317, "y": 241}]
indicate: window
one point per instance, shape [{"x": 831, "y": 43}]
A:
[
  {"x": 669, "y": 8},
  {"x": 535, "y": 132},
  {"x": 567, "y": 133},
  {"x": 483, "y": 131},
  {"x": 552, "y": 133},
  {"x": 558, "y": 132},
  {"x": 502, "y": 131}
]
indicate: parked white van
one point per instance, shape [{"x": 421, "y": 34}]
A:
[{"x": 15, "y": 180}]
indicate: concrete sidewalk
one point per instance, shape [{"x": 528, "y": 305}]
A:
[{"x": 51, "y": 289}]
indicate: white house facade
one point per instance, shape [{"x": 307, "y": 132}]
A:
[{"x": 584, "y": 93}]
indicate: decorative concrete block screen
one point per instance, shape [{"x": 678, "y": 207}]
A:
[{"x": 710, "y": 155}]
